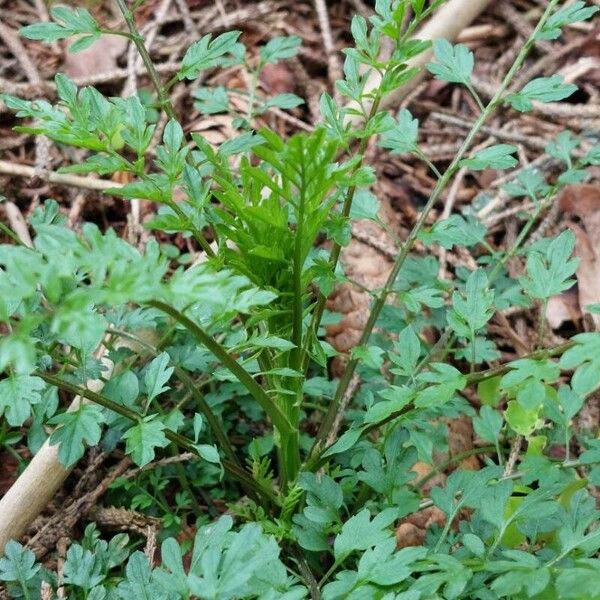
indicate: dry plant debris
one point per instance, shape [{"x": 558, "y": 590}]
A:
[{"x": 28, "y": 173}]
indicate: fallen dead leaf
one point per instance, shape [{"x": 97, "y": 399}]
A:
[
  {"x": 100, "y": 57},
  {"x": 583, "y": 202},
  {"x": 563, "y": 308}
]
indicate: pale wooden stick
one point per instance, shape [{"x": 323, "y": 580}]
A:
[
  {"x": 89, "y": 183},
  {"x": 18, "y": 223},
  {"x": 446, "y": 23},
  {"x": 38, "y": 483}
]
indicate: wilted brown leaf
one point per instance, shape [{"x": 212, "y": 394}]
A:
[
  {"x": 100, "y": 57},
  {"x": 582, "y": 202}
]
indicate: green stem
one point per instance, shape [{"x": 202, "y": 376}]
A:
[
  {"x": 502, "y": 369},
  {"x": 185, "y": 484},
  {"x": 336, "y": 249},
  {"x": 280, "y": 421},
  {"x": 165, "y": 104},
  {"x": 412, "y": 236},
  {"x": 13, "y": 236},
  {"x": 315, "y": 459},
  {"x": 252, "y": 95},
  {"x": 452, "y": 461},
  {"x": 180, "y": 440},
  {"x": 542, "y": 329},
  {"x": 138, "y": 40},
  {"x": 195, "y": 393}
]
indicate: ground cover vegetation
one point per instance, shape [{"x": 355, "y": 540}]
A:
[{"x": 296, "y": 483}]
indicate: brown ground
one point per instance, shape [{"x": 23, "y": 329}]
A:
[{"x": 444, "y": 110}]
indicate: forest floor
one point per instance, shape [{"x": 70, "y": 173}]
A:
[{"x": 28, "y": 166}]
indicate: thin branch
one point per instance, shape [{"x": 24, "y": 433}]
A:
[
  {"x": 88, "y": 183},
  {"x": 256, "y": 391},
  {"x": 177, "y": 438},
  {"x": 440, "y": 186}
]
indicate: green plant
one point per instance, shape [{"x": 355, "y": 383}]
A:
[{"x": 238, "y": 342}]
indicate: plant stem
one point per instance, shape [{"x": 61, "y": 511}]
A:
[
  {"x": 196, "y": 394},
  {"x": 542, "y": 329},
  {"x": 256, "y": 391},
  {"x": 180, "y": 440},
  {"x": 138, "y": 40},
  {"x": 412, "y": 236},
  {"x": 165, "y": 104},
  {"x": 334, "y": 255},
  {"x": 452, "y": 461},
  {"x": 502, "y": 369}
]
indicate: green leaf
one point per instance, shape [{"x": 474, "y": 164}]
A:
[
  {"x": 279, "y": 48},
  {"x": 472, "y": 310},
  {"x": 365, "y": 205},
  {"x": 488, "y": 424},
  {"x": 488, "y": 391},
  {"x": 371, "y": 356},
  {"x": 572, "y": 13},
  {"x": 474, "y": 544},
  {"x": 139, "y": 582},
  {"x": 244, "y": 564},
  {"x": 446, "y": 381},
  {"x": 76, "y": 429},
  {"x": 156, "y": 376},
  {"x": 284, "y": 101},
  {"x": 143, "y": 438},
  {"x": 403, "y": 137},
  {"x": 68, "y": 22},
  {"x": 395, "y": 399},
  {"x": 549, "y": 272},
  {"x": 208, "y": 453},
  {"x": 211, "y": 100},
  {"x": 529, "y": 182},
  {"x": 455, "y": 230},
  {"x": 578, "y": 582},
  {"x": 407, "y": 351},
  {"x": 17, "y": 394},
  {"x": 523, "y": 421},
  {"x": 83, "y": 568},
  {"x": 454, "y": 63},
  {"x": 543, "y": 89},
  {"x": 360, "y": 532},
  {"x": 584, "y": 357},
  {"x": 345, "y": 442},
  {"x": 207, "y": 53},
  {"x": 242, "y": 143},
  {"x": 18, "y": 563},
  {"x": 563, "y": 146},
  {"x": 494, "y": 157}
]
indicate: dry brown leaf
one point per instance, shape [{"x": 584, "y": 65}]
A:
[
  {"x": 215, "y": 129},
  {"x": 583, "y": 202},
  {"x": 563, "y": 308},
  {"x": 100, "y": 57},
  {"x": 412, "y": 530},
  {"x": 278, "y": 79}
]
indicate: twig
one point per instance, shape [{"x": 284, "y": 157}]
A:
[
  {"x": 512, "y": 457},
  {"x": 186, "y": 17},
  {"x": 534, "y": 142},
  {"x": 18, "y": 223},
  {"x": 64, "y": 520},
  {"x": 11, "y": 39},
  {"x": 334, "y": 69},
  {"x": 349, "y": 394},
  {"x": 170, "y": 460},
  {"x": 89, "y": 183},
  {"x": 38, "y": 483}
]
